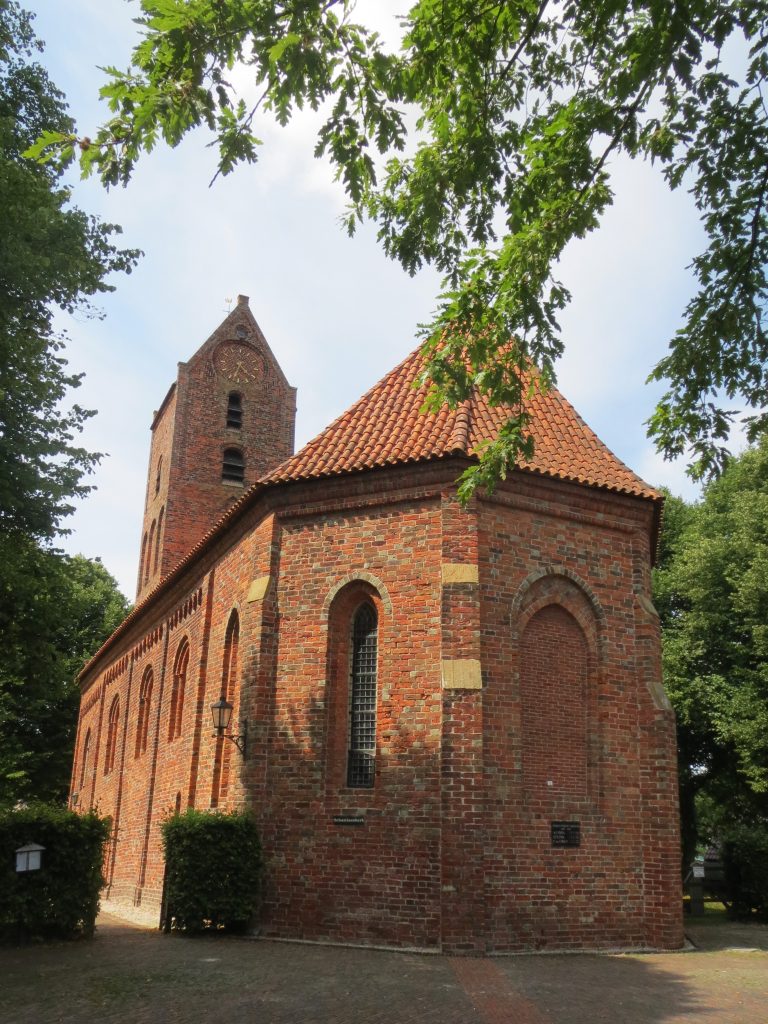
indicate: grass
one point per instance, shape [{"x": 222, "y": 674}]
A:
[{"x": 714, "y": 912}]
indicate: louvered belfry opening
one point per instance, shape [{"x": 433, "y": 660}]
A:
[
  {"x": 234, "y": 411},
  {"x": 233, "y": 467},
  {"x": 362, "y": 699}
]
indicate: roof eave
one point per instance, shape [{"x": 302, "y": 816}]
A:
[{"x": 260, "y": 488}]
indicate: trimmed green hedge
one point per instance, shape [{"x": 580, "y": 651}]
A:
[
  {"x": 62, "y": 898},
  {"x": 213, "y": 870}
]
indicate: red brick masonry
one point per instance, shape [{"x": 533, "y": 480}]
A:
[{"x": 518, "y": 684}]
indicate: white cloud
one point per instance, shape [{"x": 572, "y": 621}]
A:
[
  {"x": 337, "y": 314},
  {"x": 658, "y": 472}
]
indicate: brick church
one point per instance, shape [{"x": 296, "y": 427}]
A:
[{"x": 450, "y": 722}]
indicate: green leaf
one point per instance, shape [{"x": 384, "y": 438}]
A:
[
  {"x": 276, "y": 52},
  {"x": 49, "y": 140},
  {"x": 515, "y": 113}
]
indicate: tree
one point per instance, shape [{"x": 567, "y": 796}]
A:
[
  {"x": 52, "y": 255},
  {"x": 54, "y": 611},
  {"x": 520, "y": 107},
  {"x": 711, "y": 589}
]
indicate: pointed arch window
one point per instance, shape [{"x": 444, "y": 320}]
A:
[
  {"x": 158, "y": 475},
  {"x": 84, "y": 759},
  {"x": 143, "y": 561},
  {"x": 229, "y": 668},
  {"x": 112, "y": 726},
  {"x": 362, "y": 699},
  {"x": 157, "y": 539},
  {"x": 179, "y": 689},
  {"x": 233, "y": 466},
  {"x": 145, "y": 704},
  {"x": 150, "y": 546},
  {"x": 234, "y": 410}
]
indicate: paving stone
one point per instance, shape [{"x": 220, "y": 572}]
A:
[{"x": 133, "y": 974}]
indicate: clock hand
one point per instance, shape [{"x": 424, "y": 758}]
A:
[{"x": 240, "y": 369}]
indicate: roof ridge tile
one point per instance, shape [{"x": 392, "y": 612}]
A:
[{"x": 386, "y": 426}]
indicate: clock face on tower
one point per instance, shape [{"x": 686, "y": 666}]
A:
[{"x": 238, "y": 363}]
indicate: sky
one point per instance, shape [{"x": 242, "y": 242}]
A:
[{"x": 336, "y": 312}]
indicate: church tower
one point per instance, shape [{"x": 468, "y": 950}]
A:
[{"x": 226, "y": 421}]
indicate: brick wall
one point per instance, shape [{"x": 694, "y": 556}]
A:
[
  {"x": 565, "y": 705},
  {"x": 516, "y": 647},
  {"x": 374, "y": 881}
]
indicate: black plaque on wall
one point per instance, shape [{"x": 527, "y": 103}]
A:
[
  {"x": 348, "y": 819},
  {"x": 565, "y": 833}
]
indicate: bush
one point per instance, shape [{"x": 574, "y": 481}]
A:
[
  {"x": 738, "y": 827},
  {"x": 745, "y": 857},
  {"x": 213, "y": 869},
  {"x": 60, "y": 900}
]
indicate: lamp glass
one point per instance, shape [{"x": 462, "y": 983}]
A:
[{"x": 222, "y": 715}]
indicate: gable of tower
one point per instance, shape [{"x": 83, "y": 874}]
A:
[
  {"x": 238, "y": 350},
  {"x": 227, "y": 420}
]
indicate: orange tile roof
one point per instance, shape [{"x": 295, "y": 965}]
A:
[{"x": 385, "y": 428}]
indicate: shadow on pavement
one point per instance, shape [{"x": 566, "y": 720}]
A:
[
  {"x": 727, "y": 935},
  {"x": 130, "y": 973},
  {"x": 591, "y": 989}
]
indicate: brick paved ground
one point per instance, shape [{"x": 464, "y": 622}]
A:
[{"x": 134, "y": 976}]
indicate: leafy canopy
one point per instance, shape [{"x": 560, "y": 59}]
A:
[
  {"x": 54, "y": 611},
  {"x": 711, "y": 589},
  {"x": 51, "y": 255},
  {"x": 520, "y": 108},
  {"x": 713, "y": 597}
]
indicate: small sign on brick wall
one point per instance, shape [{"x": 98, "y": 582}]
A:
[
  {"x": 565, "y": 833},
  {"x": 348, "y": 819}
]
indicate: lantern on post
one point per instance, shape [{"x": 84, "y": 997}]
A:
[
  {"x": 222, "y": 716},
  {"x": 29, "y": 857}
]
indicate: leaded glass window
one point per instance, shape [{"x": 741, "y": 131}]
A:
[{"x": 362, "y": 699}]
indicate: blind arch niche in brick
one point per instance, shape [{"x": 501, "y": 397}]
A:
[
  {"x": 560, "y": 666},
  {"x": 554, "y": 682},
  {"x": 229, "y": 676}
]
